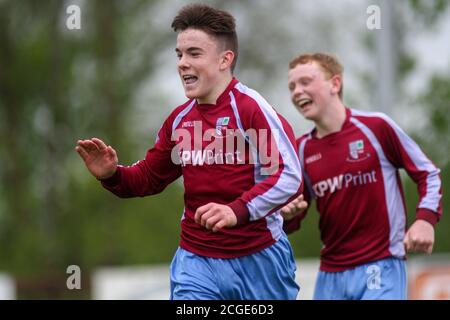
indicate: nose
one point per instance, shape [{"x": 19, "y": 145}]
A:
[
  {"x": 183, "y": 63},
  {"x": 297, "y": 91}
]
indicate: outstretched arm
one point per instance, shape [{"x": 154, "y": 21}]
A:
[{"x": 145, "y": 177}]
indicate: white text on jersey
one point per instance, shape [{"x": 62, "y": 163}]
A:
[{"x": 343, "y": 180}]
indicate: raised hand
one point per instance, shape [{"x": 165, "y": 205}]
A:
[{"x": 100, "y": 159}]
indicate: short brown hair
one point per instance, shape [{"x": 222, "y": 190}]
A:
[
  {"x": 327, "y": 62},
  {"x": 217, "y": 23}
]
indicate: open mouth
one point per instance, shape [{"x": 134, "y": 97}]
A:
[
  {"x": 302, "y": 103},
  {"x": 189, "y": 79}
]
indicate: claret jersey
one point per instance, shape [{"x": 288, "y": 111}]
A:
[
  {"x": 353, "y": 176},
  {"x": 238, "y": 152}
]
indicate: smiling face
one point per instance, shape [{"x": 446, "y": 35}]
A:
[
  {"x": 203, "y": 65},
  {"x": 311, "y": 90}
]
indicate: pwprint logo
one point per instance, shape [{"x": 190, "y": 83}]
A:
[
  {"x": 232, "y": 146},
  {"x": 356, "y": 151},
  {"x": 221, "y": 126},
  {"x": 347, "y": 180}
]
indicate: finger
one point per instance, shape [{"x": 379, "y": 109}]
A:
[
  {"x": 111, "y": 151},
  {"x": 99, "y": 143},
  {"x": 206, "y": 216},
  {"x": 290, "y": 206},
  {"x": 416, "y": 247},
  {"x": 84, "y": 155},
  {"x": 212, "y": 221},
  {"x": 89, "y": 146},
  {"x": 285, "y": 210},
  {"x": 202, "y": 210},
  {"x": 300, "y": 197},
  {"x": 219, "y": 225},
  {"x": 296, "y": 205},
  {"x": 303, "y": 205},
  {"x": 411, "y": 247},
  {"x": 424, "y": 247},
  {"x": 82, "y": 144}
]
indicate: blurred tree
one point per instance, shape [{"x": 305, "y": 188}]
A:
[
  {"x": 58, "y": 86},
  {"x": 434, "y": 138}
]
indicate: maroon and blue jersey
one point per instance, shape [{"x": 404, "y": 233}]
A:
[
  {"x": 238, "y": 152},
  {"x": 353, "y": 175}
]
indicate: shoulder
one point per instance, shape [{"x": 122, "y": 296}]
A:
[
  {"x": 179, "y": 112},
  {"x": 374, "y": 120},
  {"x": 175, "y": 117},
  {"x": 381, "y": 125},
  {"x": 182, "y": 109},
  {"x": 249, "y": 100}
]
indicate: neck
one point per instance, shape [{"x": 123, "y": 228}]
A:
[
  {"x": 332, "y": 119},
  {"x": 218, "y": 89}
]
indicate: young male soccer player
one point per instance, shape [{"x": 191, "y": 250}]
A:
[
  {"x": 238, "y": 160},
  {"x": 350, "y": 161}
]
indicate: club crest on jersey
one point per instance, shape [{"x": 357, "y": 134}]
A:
[
  {"x": 221, "y": 125},
  {"x": 356, "y": 151}
]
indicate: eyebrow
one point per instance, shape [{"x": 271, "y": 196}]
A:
[
  {"x": 302, "y": 78},
  {"x": 190, "y": 49}
]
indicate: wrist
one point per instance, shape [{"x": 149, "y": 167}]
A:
[
  {"x": 111, "y": 179},
  {"x": 427, "y": 215}
]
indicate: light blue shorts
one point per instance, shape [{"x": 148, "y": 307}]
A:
[
  {"x": 379, "y": 280},
  {"x": 265, "y": 275}
]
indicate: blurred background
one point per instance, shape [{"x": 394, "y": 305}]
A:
[{"x": 115, "y": 78}]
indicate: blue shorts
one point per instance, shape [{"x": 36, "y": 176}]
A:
[
  {"x": 379, "y": 280},
  {"x": 266, "y": 275}
]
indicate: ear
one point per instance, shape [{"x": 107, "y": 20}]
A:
[
  {"x": 336, "y": 84},
  {"x": 226, "y": 60}
]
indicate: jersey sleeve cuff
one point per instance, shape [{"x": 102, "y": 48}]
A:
[
  {"x": 291, "y": 225},
  {"x": 113, "y": 180},
  {"x": 240, "y": 210},
  {"x": 427, "y": 215}
]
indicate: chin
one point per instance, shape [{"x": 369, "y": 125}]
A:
[
  {"x": 190, "y": 94},
  {"x": 309, "y": 116}
]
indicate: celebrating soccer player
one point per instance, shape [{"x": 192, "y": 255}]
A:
[
  {"x": 239, "y": 166},
  {"x": 350, "y": 162}
]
